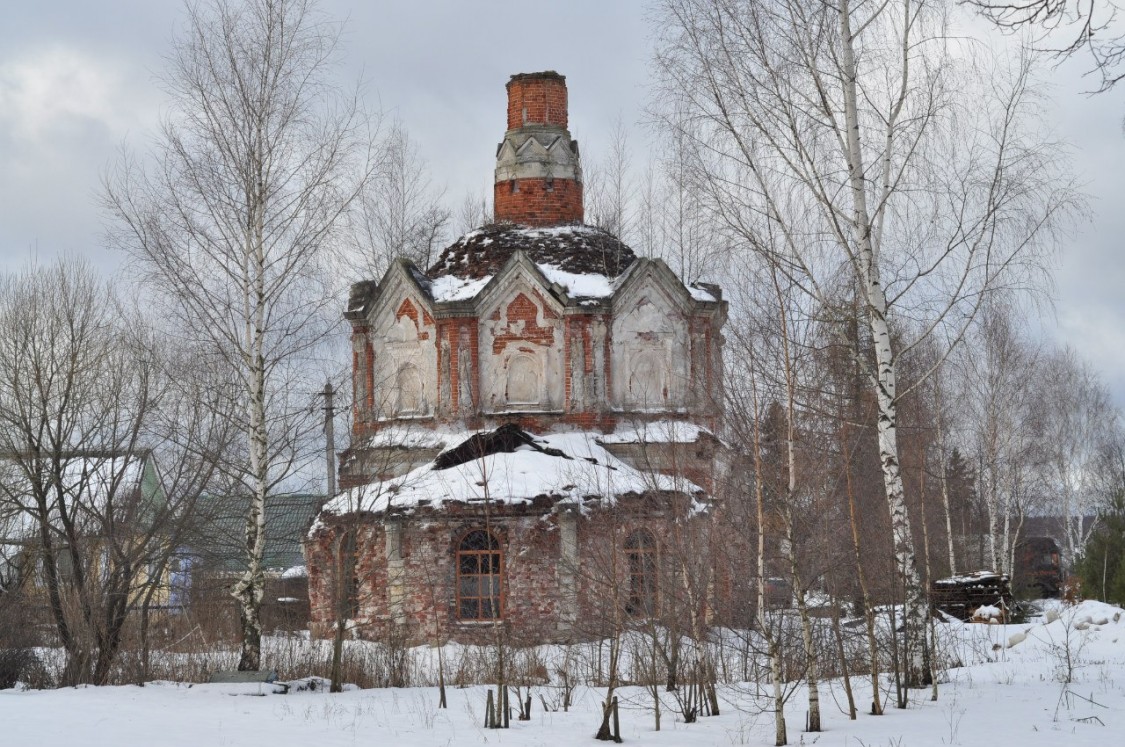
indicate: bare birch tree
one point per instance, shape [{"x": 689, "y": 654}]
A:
[
  {"x": 475, "y": 211},
  {"x": 747, "y": 414},
  {"x": 671, "y": 221},
  {"x": 610, "y": 188},
  {"x": 888, "y": 161},
  {"x": 253, "y": 171},
  {"x": 999, "y": 391},
  {"x": 1078, "y": 424}
]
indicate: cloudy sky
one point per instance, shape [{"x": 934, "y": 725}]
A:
[{"x": 77, "y": 79}]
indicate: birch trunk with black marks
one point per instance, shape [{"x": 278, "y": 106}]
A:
[
  {"x": 811, "y": 660},
  {"x": 851, "y": 147},
  {"x": 249, "y": 588},
  {"x": 943, "y": 465},
  {"x": 773, "y": 649},
  {"x": 875, "y": 301},
  {"x": 260, "y": 161}
]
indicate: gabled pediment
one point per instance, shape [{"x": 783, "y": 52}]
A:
[
  {"x": 518, "y": 269},
  {"x": 652, "y": 273},
  {"x": 506, "y": 150},
  {"x": 402, "y": 280},
  {"x": 561, "y": 151}
]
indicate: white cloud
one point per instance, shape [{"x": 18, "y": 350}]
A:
[
  {"x": 60, "y": 92},
  {"x": 63, "y": 112}
]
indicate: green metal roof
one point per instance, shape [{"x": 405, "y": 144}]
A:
[{"x": 219, "y": 537}]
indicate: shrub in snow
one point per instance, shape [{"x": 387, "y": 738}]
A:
[{"x": 20, "y": 665}]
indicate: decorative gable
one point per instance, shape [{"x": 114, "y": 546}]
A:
[
  {"x": 402, "y": 331},
  {"x": 521, "y": 342},
  {"x": 650, "y": 351}
]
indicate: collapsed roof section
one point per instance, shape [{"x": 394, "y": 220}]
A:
[{"x": 509, "y": 466}]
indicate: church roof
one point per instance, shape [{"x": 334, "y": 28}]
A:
[
  {"x": 509, "y": 466},
  {"x": 572, "y": 248},
  {"x": 586, "y": 263}
]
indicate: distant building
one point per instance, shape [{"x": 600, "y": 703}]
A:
[
  {"x": 534, "y": 417},
  {"x": 214, "y": 554},
  {"x": 104, "y": 500},
  {"x": 1038, "y": 567}
]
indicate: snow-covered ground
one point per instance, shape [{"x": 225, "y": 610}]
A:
[{"x": 1003, "y": 695}]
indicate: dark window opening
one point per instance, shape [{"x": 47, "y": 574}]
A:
[
  {"x": 641, "y": 556},
  {"x": 349, "y": 586},
  {"x": 480, "y": 577}
]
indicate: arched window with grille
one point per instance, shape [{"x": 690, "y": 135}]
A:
[
  {"x": 480, "y": 577},
  {"x": 641, "y": 556}
]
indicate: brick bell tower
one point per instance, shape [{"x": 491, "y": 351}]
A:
[{"x": 538, "y": 175}]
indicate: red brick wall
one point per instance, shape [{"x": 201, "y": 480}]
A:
[
  {"x": 542, "y": 97},
  {"x": 452, "y": 330},
  {"x": 537, "y": 202},
  {"x": 523, "y": 309},
  {"x": 532, "y": 594}
]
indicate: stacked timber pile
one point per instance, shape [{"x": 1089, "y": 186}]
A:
[{"x": 967, "y": 595}]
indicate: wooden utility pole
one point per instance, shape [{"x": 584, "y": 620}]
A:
[{"x": 330, "y": 438}]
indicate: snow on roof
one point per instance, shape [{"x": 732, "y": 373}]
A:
[
  {"x": 701, "y": 294},
  {"x": 297, "y": 571},
  {"x": 409, "y": 436},
  {"x": 448, "y": 288},
  {"x": 579, "y": 285},
  {"x": 658, "y": 432},
  {"x": 970, "y": 578},
  {"x": 585, "y": 469},
  {"x": 452, "y": 288},
  {"x": 586, "y": 260},
  {"x": 90, "y": 480}
]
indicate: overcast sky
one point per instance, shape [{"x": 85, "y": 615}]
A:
[{"x": 77, "y": 80}]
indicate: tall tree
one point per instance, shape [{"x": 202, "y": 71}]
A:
[
  {"x": 257, "y": 164},
  {"x": 1078, "y": 423},
  {"x": 999, "y": 390},
  {"x": 862, "y": 152},
  {"x": 89, "y": 395},
  {"x": 671, "y": 221},
  {"x": 609, "y": 187}
]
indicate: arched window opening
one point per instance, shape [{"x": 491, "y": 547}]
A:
[
  {"x": 347, "y": 591},
  {"x": 640, "y": 554},
  {"x": 479, "y": 577}
]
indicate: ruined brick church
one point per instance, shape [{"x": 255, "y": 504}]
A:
[{"x": 534, "y": 418}]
